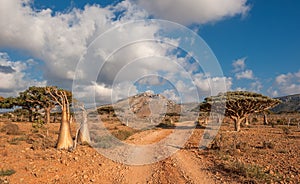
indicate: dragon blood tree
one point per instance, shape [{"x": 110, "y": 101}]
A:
[{"x": 238, "y": 105}]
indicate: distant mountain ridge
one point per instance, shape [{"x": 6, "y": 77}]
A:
[
  {"x": 148, "y": 109},
  {"x": 290, "y": 103},
  {"x": 142, "y": 110},
  {"x": 145, "y": 104}
]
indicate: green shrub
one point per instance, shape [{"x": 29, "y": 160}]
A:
[
  {"x": 272, "y": 124},
  {"x": 246, "y": 170},
  {"x": 206, "y": 135},
  {"x": 216, "y": 144},
  {"x": 39, "y": 141},
  {"x": 37, "y": 125},
  {"x": 280, "y": 122},
  {"x": 254, "y": 120},
  {"x": 122, "y": 134},
  {"x": 10, "y": 129},
  {"x": 166, "y": 124},
  {"x": 243, "y": 146},
  {"x": 103, "y": 142},
  {"x": 16, "y": 140},
  {"x": 105, "y": 110},
  {"x": 7, "y": 172},
  {"x": 286, "y": 130},
  {"x": 282, "y": 151},
  {"x": 268, "y": 145}
]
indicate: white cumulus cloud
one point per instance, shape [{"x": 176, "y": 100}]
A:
[
  {"x": 14, "y": 77},
  {"x": 239, "y": 67},
  {"x": 286, "y": 84},
  {"x": 194, "y": 11},
  {"x": 208, "y": 86},
  {"x": 247, "y": 74},
  {"x": 239, "y": 64},
  {"x": 60, "y": 40}
]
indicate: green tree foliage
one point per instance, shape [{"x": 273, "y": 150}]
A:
[
  {"x": 30, "y": 107},
  {"x": 7, "y": 103},
  {"x": 238, "y": 105},
  {"x": 34, "y": 98},
  {"x": 37, "y": 97}
]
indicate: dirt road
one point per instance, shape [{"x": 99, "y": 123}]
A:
[
  {"x": 182, "y": 167},
  {"x": 86, "y": 165}
]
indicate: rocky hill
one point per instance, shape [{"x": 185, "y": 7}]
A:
[
  {"x": 148, "y": 110},
  {"x": 143, "y": 110},
  {"x": 289, "y": 103}
]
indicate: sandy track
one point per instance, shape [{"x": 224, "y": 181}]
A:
[
  {"x": 191, "y": 167},
  {"x": 86, "y": 165},
  {"x": 181, "y": 167}
]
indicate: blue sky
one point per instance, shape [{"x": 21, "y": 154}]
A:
[
  {"x": 268, "y": 36},
  {"x": 256, "y": 42}
]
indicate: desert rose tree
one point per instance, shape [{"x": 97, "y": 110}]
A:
[
  {"x": 238, "y": 105},
  {"x": 82, "y": 134},
  {"x": 63, "y": 99}
]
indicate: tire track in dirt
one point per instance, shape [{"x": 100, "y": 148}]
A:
[
  {"x": 134, "y": 174},
  {"x": 181, "y": 167},
  {"x": 143, "y": 173},
  {"x": 191, "y": 168},
  {"x": 168, "y": 172}
]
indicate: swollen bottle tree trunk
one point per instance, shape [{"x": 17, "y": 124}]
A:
[
  {"x": 84, "y": 134},
  {"x": 206, "y": 121},
  {"x": 65, "y": 140}
]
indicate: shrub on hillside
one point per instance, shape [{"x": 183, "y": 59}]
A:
[
  {"x": 7, "y": 172},
  {"x": 254, "y": 120},
  {"x": 16, "y": 140},
  {"x": 10, "y": 129},
  {"x": 245, "y": 170},
  {"x": 166, "y": 124},
  {"x": 40, "y": 141},
  {"x": 280, "y": 122},
  {"x": 122, "y": 134},
  {"x": 286, "y": 130},
  {"x": 269, "y": 145}
]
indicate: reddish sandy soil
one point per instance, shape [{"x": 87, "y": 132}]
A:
[{"x": 276, "y": 153}]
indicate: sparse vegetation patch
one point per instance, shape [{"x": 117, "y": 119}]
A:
[
  {"x": 10, "y": 129},
  {"x": 7, "y": 172}
]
